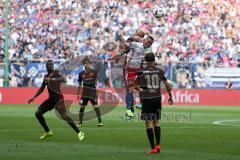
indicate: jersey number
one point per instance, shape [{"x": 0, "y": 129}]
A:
[{"x": 152, "y": 81}]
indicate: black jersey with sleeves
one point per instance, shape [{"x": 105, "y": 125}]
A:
[{"x": 149, "y": 81}]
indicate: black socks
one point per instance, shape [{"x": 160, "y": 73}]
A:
[
  {"x": 157, "y": 131},
  {"x": 98, "y": 113},
  {"x": 150, "y": 137},
  {"x": 42, "y": 121},
  {"x": 81, "y": 113}
]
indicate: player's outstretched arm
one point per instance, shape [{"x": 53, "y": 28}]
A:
[
  {"x": 39, "y": 92},
  {"x": 169, "y": 90},
  {"x": 123, "y": 51}
]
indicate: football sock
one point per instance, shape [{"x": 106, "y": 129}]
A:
[
  {"x": 132, "y": 109},
  {"x": 150, "y": 137},
  {"x": 129, "y": 100},
  {"x": 98, "y": 113},
  {"x": 81, "y": 113},
  {"x": 157, "y": 131},
  {"x": 42, "y": 121}
]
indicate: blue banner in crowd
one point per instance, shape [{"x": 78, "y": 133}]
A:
[
  {"x": 181, "y": 76},
  {"x": 33, "y": 69},
  {"x": 15, "y": 70}
]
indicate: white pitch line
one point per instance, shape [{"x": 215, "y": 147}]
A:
[
  {"x": 59, "y": 129},
  {"x": 104, "y": 128},
  {"x": 222, "y": 123}
]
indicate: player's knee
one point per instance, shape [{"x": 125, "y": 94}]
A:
[
  {"x": 38, "y": 114},
  {"x": 149, "y": 124},
  {"x": 64, "y": 116},
  {"x": 95, "y": 106},
  {"x": 81, "y": 110},
  {"x": 82, "y": 107},
  {"x": 156, "y": 123}
]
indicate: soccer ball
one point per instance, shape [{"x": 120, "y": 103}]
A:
[{"x": 158, "y": 13}]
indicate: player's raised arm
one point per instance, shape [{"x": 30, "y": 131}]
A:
[
  {"x": 118, "y": 56},
  {"x": 124, "y": 49},
  {"x": 126, "y": 46}
]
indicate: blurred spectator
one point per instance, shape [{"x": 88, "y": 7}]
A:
[
  {"x": 26, "y": 81},
  {"x": 70, "y": 80},
  {"x": 65, "y": 29},
  {"x": 194, "y": 32},
  {"x": 1, "y": 81},
  {"x": 183, "y": 78},
  {"x": 229, "y": 84},
  {"x": 14, "y": 81},
  {"x": 1, "y": 55},
  {"x": 108, "y": 80},
  {"x": 38, "y": 80}
]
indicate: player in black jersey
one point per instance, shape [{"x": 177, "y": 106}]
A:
[
  {"x": 87, "y": 84},
  {"x": 53, "y": 80},
  {"x": 148, "y": 82}
]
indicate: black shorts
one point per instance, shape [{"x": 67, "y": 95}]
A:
[
  {"x": 84, "y": 101},
  {"x": 51, "y": 103},
  {"x": 151, "y": 109}
]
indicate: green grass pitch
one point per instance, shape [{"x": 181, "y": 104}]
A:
[{"x": 185, "y": 135}]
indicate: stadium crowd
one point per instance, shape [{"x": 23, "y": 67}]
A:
[{"x": 192, "y": 32}]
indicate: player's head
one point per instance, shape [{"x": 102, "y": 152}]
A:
[
  {"x": 150, "y": 58},
  {"x": 86, "y": 62},
  {"x": 49, "y": 66},
  {"x": 140, "y": 33},
  {"x": 148, "y": 41},
  {"x": 130, "y": 39}
]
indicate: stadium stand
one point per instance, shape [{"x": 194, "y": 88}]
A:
[{"x": 193, "y": 38}]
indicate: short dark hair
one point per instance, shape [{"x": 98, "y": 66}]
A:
[
  {"x": 86, "y": 59},
  {"x": 131, "y": 39},
  {"x": 150, "y": 57},
  {"x": 150, "y": 37},
  {"x": 49, "y": 62}
]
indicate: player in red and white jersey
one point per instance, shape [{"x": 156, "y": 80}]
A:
[{"x": 134, "y": 50}]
